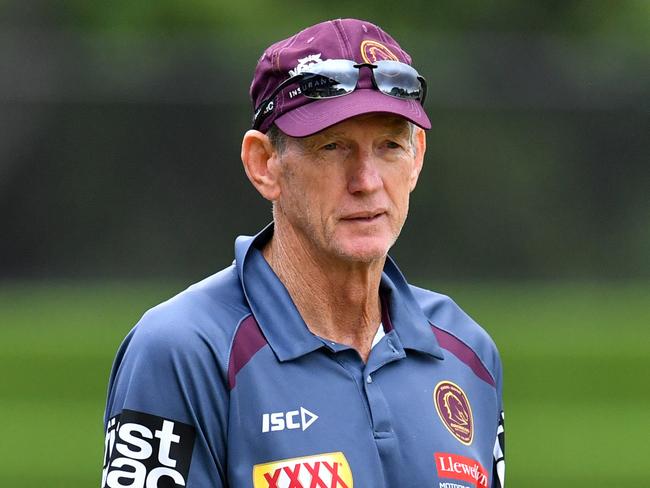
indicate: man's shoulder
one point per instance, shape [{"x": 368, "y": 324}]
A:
[
  {"x": 182, "y": 342},
  {"x": 205, "y": 315},
  {"x": 455, "y": 327}
]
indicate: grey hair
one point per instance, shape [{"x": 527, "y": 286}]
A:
[
  {"x": 277, "y": 138},
  {"x": 412, "y": 133}
]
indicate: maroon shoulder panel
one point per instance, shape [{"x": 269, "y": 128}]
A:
[
  {"x": 463, "y": 352},
  {"x": 248, "y": 340}
]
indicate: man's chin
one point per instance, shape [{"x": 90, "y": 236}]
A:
[{"x": 363, "y": 250}]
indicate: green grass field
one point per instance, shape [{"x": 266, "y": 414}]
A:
[{"x": 576, "y": 358}]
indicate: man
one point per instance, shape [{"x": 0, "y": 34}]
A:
[{"x": 311, "y": 362}]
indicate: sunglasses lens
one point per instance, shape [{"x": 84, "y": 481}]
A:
[
  {"x": 330, "y": 78},
  {"x": 398, "y": 80},
  {"x": 336, "y": 77}
]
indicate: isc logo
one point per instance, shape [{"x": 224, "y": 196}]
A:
[
  {"x": 329, "y": 470},
  {"x": 295, "y": 419},
  {"x": 146, "y": 451}
]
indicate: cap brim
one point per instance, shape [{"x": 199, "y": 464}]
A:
[{"x": 321, "y": 114}]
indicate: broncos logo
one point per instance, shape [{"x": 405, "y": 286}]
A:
[
  {"x": 373, "y": 51},
  {"x": 454, "y": 410}
]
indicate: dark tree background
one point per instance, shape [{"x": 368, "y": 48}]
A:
[{"x": 120, "y": 126}]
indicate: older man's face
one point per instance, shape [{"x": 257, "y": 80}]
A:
[{"x": 345, "y": 191}]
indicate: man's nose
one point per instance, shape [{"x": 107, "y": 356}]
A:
[{"x": 364, "y": 175}]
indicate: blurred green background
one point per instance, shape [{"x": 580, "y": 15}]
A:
[
  {"x": 575, "y": 358},
  {"x": 120, "y": 184}
]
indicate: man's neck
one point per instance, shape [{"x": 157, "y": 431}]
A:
[{"x": 338, "y": 300}]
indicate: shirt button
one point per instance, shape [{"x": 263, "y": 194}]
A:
[{"x": 369, "y": 379}]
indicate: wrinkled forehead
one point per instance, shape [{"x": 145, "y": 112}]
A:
[{"x": 375, "y": 124}]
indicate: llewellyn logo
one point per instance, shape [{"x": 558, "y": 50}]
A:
[
  {"x": 454, "y": 410},
  {"x": 455, "y": 467}
]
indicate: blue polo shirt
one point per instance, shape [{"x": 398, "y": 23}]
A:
[{"x": 225, "y": 386}]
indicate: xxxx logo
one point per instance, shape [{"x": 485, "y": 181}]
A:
[{"x": 329, "y": 470}]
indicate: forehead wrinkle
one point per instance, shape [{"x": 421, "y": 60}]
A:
[
  {"x": 397, "y": 125},
  {"x": 389, "y": 126},
  {"x": 402, "y": 131},
  {"x": 394, "y": 127}
]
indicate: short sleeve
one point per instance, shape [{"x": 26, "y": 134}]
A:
[
  {"x": 499, "y": 455},
  {"x": 166, "y": 413}
]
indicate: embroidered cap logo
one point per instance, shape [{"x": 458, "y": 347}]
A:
[{"x": 373, "y": 51}]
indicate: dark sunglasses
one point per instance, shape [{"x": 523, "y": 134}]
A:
[{"x": 338, "y": 77}]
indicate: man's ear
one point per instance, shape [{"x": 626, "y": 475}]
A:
[
  {"x": 261, "y": 160},
  {"x": 420, "y": 141}
]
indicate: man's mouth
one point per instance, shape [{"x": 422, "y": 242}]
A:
[{"x": 365, "y": 216}]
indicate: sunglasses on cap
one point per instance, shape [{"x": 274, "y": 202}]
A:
[{"x": 338, "y": 77}]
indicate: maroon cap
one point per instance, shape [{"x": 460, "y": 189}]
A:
[{"x": 352, "y": 39}]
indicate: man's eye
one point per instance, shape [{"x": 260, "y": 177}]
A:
[
  {"x": 393, "y": 145},
  {"x": 330, "y": 146}
]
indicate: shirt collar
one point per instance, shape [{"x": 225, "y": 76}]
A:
[
  {"x": 284, "y": 328},
  {"x": 407, "y": 318}
]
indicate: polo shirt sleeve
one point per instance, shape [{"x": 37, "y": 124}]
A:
[
  {"x": 166, "y": 413},
  {"x": 499, "y": 467}
]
